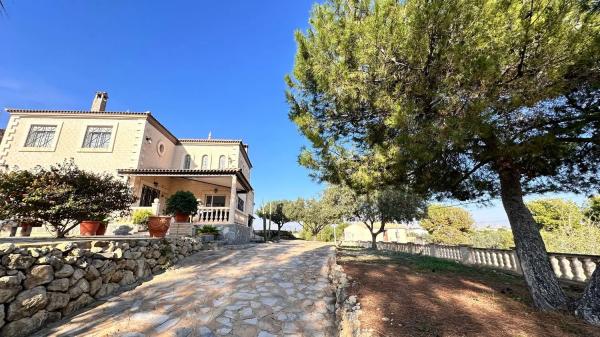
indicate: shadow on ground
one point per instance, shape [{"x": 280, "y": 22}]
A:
[{"x": 403, "y": 295}]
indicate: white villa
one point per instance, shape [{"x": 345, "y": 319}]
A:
[{"x": 138, "y": 148}]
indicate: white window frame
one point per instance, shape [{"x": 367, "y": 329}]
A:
[
  {"x": 216, "y": 195},
  {"x": 111, "y": 143},
  {"x": 202, "y": 163},
  {"x": 52, "y": 147},
  {"x": 224, "y": 159},
  {"x": 97, "y": 127}
]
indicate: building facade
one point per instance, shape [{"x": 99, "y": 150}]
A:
[
  {"x": 392, "y": 233},
  {"x": 136, "y": 147}
]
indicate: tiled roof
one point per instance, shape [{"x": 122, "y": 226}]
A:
[
  {"x": 77, "y": 112},
  {"x": 189, "y": 173},
  {"x": 206, "y": 140},
  {"x": 180, "y": 171}
]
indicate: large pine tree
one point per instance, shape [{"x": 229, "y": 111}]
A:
[{"x": 469, "y": 100}]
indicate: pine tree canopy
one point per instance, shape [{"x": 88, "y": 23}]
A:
[{"x": 446, "y": 94}]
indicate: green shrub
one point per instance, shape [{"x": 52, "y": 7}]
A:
[
  {"x": 62, "y": 196},
  {"x": 500, "y": 238},
  {"x": 183, "y": 202},
  {"x": 207, "y": 229},
  {"x": 140, "y": 216}
]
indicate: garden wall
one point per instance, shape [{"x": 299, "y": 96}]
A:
[
  {"x": 42, "y": 284},
  {"x": 568, "y": 267}
]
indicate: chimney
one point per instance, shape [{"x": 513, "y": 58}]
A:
[{"x": 99, "y": 103}]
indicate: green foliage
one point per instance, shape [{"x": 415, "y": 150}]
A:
[
  {"x": 388, "y": 205},
  {"x": 550, "y": 214},
  {"x": 326, "y": 234},
  {"x": 276, "y": 211},
  {"x": 14, "y": 187},
  {"x": 207, "y": 229},
  {"x": 140, "y": 216},
  {"x": 592, "y": 211},
  {"x": 579, "y": 240},
  {"x": 500, "y": 238},
  {"x": 314, "y": 215},
  {"x": 64, "y": 195},
  {"x": 183, "y": 202},
  {"x": 446, "y": 95},
  {"x": 448, "y": 225}
]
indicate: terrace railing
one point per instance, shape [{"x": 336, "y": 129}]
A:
[{"x": 568, "y": 267}]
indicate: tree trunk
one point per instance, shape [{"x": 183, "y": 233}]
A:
[
  {"x": 588, "y": 307},
  {"x": 540, "y": 278},
  {"x": 374, "y": 241},
  {"x": 265, "y": 229}
]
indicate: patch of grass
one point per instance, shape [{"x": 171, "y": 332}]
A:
[{"x": 424, "y": 264}]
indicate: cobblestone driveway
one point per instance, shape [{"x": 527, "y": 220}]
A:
[{"x": 264, "y": 290}]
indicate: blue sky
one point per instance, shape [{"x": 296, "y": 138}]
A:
[{"x": 199, "y": 66}]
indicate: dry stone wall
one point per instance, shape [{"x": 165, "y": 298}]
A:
[{"x": 39, "y": 285}]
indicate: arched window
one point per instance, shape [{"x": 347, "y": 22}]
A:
[
  {"x": 205, "y": 162},
  {"x": 222, "y": 162},
  {"x": 187, "y": 162}
]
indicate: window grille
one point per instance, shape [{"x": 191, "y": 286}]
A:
[
  {"x": 40, "y": 136},
  {"x": 97, "y": 137}
]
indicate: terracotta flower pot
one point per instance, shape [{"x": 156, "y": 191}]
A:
[
  {"x": 158, "y": 226},
  {"x": 88, "y": 227},
  {"x": 102, "y": 228},
  {"x": 180, "y": 217}
]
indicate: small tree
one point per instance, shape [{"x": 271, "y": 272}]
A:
[
  {"x": 448, "y": 225},
  {"x": 63, "y": 195},
  {"x": 316, "y": 214},
  {"x": 276, "y": 211},
  {"x": 386, "y": 206}
]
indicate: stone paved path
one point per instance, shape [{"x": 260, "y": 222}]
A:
[{"x": 264, "y": 290}]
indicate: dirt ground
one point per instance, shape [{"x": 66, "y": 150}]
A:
[{"x": 406, "y": 295}]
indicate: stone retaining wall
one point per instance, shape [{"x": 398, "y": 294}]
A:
[
  {"x": 567, "y": 267},
  {"x": 39, "y": 285}
]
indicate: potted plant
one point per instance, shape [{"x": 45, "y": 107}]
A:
[
  {"x": 207, "y": 232},
  {"x": 102, "y": 227},
  {"x": 89, "y": 227},
  {"x": 140, "y": 218},
  {"x": 158, "y": 226},
  {"x": 182, "y": 204}
]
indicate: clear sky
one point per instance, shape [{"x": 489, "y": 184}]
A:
[{"x": 198, "y": 66}]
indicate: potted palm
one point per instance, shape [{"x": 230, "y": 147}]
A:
[
  {"x": 182, "y": 204},
  {"x": 207, "y": 233}
]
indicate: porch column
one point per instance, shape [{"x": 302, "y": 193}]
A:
[{"x": 233, "y": 199}]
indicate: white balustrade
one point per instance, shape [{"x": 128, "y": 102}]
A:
[
  {"x": 213, "y": 215},
  {"x": 571, "y": 267}
]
